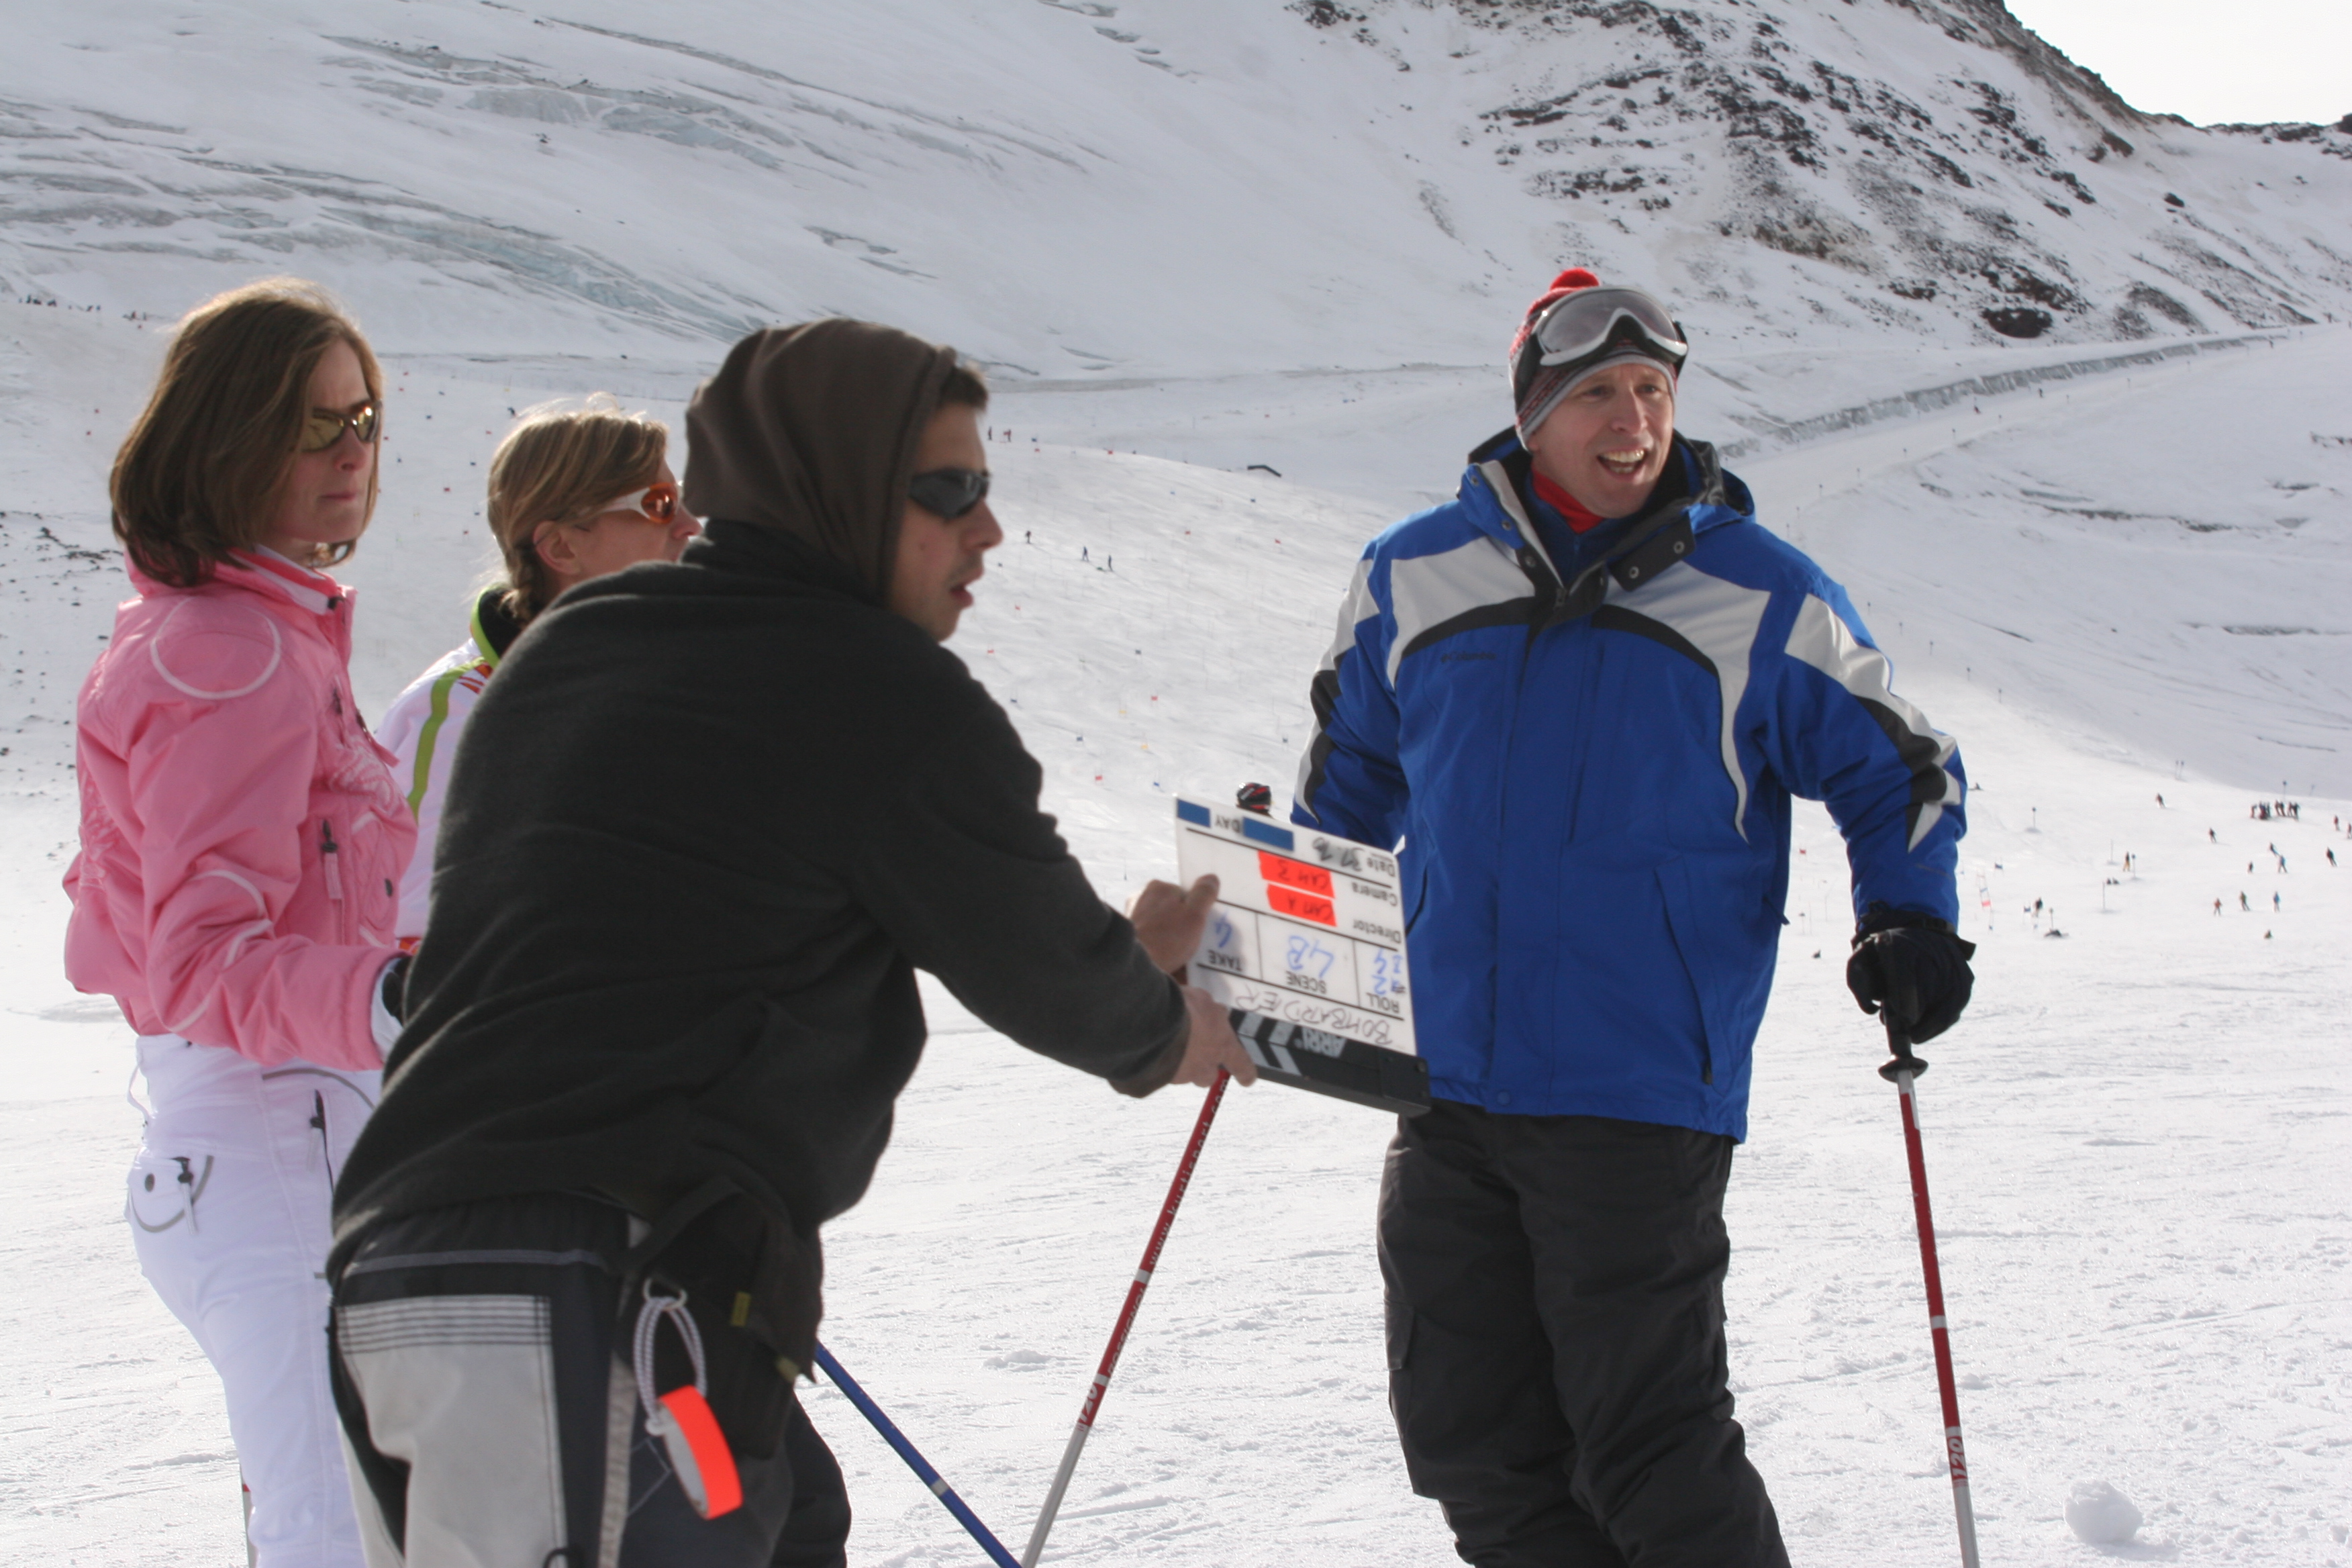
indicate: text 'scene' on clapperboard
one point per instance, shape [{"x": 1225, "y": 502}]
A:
[{"x": 1307, "y": 947}]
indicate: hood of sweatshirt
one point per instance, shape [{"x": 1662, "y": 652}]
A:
[{"x": 811, "y": 431}]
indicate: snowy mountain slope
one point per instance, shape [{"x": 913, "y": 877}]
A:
[
  {"x": 1075, "y": 188},
  {"x": 1027, "y": 178},
  {"x": 1192, "y": 235}
]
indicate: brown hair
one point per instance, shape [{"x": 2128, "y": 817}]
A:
[
  {"x": 965, "y": 387},
  {"x": 202, "y": 470},
  {"x": 558, "y": 461}
]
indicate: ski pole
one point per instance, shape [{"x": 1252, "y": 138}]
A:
[
  {"x": 1125, "y": 1321},
  {"x": 915, "y": 1461},
  {"x": 1903, "y": 1073}
]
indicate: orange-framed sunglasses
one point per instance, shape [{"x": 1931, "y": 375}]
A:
[{"x": 654, "y": 504}]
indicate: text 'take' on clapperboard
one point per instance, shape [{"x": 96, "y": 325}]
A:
[{"x": 1307, "y": 947}]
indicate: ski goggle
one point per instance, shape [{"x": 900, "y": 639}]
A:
[
  {"x": 323, "y": 428},
  {"x": 654, "y": 503},
  {"x": 1589, "y": 325},
  {"x": 949, "y": 492}
]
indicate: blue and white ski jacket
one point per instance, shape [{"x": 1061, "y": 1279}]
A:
[{"x": 1590, "y": 784}]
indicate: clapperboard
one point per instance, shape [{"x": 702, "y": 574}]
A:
[{"x": 1307, "y": 947}]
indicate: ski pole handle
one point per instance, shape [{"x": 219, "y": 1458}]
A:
[{"x": 1898, "y": 1041}]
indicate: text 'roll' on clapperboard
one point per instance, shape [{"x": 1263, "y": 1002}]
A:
[{"x": 1307, "y": 947}]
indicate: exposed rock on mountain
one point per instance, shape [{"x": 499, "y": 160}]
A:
[
  {"x": 1928, "y": 162},
  {"x": 1081, "y": 189}
]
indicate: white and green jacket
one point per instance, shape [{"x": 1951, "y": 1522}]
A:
[{"x": 422, "y": 727}]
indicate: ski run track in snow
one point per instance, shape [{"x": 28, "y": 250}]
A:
[{"x": 2115, "y": 568}]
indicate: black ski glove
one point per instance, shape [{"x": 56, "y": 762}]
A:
[{"x": 1914, "y": 967}]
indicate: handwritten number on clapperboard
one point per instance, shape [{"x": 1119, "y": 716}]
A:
[
  {"x": 1383, "y": 973},
  {"x": 1224, "y": 931},
  {"x": 1305, "y": 950}
]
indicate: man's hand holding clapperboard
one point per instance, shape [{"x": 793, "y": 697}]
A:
[{"x": 1306, "y": 947}]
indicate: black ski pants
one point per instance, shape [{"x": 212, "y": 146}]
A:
[
  {"x": 1556, "y": 1342},
  {"x": 480, "y": 1356}
]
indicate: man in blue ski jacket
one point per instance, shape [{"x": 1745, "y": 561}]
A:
[{"x": 1580, "y": 696}]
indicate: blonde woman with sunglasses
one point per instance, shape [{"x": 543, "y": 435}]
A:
[
  {"x": 576, "y": 492},
  {"x": 241, "y": 839}
]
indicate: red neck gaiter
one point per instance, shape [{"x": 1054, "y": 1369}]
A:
[{"x": 1571, "y": 510}]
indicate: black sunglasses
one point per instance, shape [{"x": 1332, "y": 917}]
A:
[
  {"x": 949, "y": 492},
  {"x": 323, "y": 428}
]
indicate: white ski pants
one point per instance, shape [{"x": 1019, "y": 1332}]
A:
[{"x": 229, "y": 1206}]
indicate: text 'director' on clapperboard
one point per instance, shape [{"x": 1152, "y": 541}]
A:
[{"x": 1307, "y": 947}]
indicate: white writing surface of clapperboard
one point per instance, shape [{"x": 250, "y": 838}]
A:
[{"x": 1307, "y": 947}]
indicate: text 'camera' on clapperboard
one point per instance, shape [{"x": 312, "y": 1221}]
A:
[{"x": 1306, "y": 947}]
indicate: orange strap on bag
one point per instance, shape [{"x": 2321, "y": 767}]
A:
[{"x": 681, "y": 1418}]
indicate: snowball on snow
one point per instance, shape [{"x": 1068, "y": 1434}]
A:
[{"x": 2099, "y": 1514}]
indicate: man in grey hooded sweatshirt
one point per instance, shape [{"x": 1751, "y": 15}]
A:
[{"x": 705, "y": 824}]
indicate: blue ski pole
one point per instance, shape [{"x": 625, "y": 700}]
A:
[{"x": 915, "y": 1461}]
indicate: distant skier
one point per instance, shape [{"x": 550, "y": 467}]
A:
[
  {"x": 1582, "y": 693},
  {"x": 706, "y": 823},
  {"x": 2243, "y": 905}
]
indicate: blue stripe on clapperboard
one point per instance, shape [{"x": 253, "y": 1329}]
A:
[
  {"x": 1196, "y": 815},
  {"x": 1266, "y": 833}
]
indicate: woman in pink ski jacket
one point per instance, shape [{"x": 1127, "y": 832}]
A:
[{"x": 242, "y": 842}]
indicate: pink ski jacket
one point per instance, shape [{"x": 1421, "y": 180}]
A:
[{"x": 241, "y": 836}]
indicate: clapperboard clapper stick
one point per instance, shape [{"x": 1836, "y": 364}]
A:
[{"x": 1333, "y": 1065}]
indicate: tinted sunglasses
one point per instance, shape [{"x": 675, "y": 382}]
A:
[
  {"x": 323, "y": 428},
  {"x": 654, "y": 503},
  {"x": 949, "y": 492}
]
